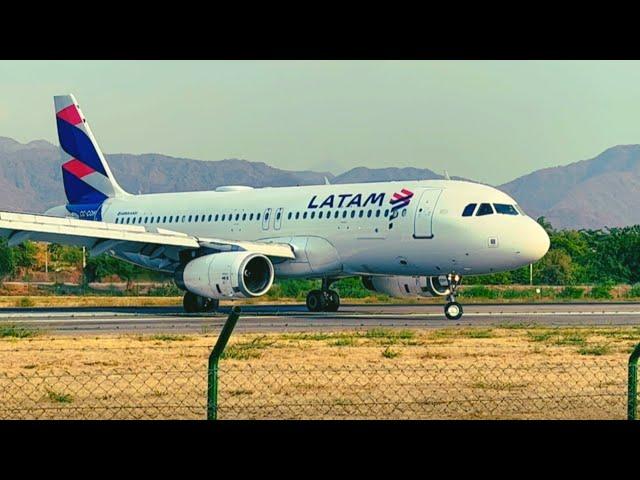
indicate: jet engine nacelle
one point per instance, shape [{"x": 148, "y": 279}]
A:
[
  {"x": 227, "y": 275},
  {"x": 401, "y": 286}
]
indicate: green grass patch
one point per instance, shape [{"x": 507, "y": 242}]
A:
[
  {"x": 539, "y": 336},
  {"x": 346, "y": 341},
  {"x": 307, "y": 336},
  {"x": 247, "y": 350},
  {"x": 14, "y": 331},
  {"x": 595, "y": 350},
  {"x": 390, "y": 353},
  {"x": 165, "y": 337},
  {"x": 570, "y": 339},
  {"x": 57, "y": 397},
  {"x": 25, "y": 302},
  {"x": 479, "y": 333},
  {"x": 387, "y": 336}
]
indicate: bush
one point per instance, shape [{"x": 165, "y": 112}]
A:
[
  {"x": 512, "y": 293},
  {"x": 601, "y": 291},
  {"x": 478, "y": 291},
  {"x": 634, "y": 291},
  {"x": 571, "y": 292}
]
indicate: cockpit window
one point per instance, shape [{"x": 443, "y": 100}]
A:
[
  {"x": 505, "y": 209},
  {"x": 468, "y": 210},
  {"x": 484, "y": 209}
]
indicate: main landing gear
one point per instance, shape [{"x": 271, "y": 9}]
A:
[
  {"x": 193, "y": 303},
  {"x": 324, "y": 300},
  {"x": 452, "y": 309}
]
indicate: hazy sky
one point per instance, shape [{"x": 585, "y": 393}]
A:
[{"x": 491, "y": 121}]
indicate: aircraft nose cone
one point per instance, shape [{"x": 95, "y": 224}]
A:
[{"x": 536, "y": 242}]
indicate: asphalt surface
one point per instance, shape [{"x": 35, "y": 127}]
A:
[{"x": 279, "y": 318}]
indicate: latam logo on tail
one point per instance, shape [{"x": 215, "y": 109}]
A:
[{"x": 349, "y": 200}]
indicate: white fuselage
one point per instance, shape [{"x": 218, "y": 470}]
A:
[{"x": 340, "y": 230}]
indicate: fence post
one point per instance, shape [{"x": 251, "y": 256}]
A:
[
  {"x": 212, "y": 376},
  {"x": 632, "y": 396}
]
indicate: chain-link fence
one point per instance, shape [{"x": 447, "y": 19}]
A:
[{"x": 170, "y": 382}]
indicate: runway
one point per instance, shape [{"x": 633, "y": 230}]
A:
[{"x": 280, "y": 318}]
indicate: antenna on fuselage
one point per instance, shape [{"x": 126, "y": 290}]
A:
[
  {"x": 446, "y": 175},
  {"x": 326, "y": 181}
]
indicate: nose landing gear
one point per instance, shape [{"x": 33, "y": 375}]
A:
[
  {"x": 452, "y": 309},
  {"x": 324, "y": 300}
]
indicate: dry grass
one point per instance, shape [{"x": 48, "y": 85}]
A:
[{"x": 377, "y": 373}]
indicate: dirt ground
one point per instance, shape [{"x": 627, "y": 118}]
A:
[{"x": 465, "y": 373}]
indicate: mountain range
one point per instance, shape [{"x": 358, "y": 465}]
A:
[{"x": 592, "y": 193}]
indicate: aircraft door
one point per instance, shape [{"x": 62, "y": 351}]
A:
[
  {"x": 277, "y": 221},
  {"x": 266, "y": 218},
  {"x": 423, "y": 223}
]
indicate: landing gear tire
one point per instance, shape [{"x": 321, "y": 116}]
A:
[
  {"x": 453, "y": 310},
  {"x": 333, "y": 301},
  {"x": 316, "y": 301},
  {"x": 193, "y": 303},
  {"x": 323, "y": 301}
]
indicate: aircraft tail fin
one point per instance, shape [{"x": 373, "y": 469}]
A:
[{"x": 86, "y": 175}]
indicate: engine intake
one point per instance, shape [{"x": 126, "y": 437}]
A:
[{"x": 227, "y": 275}]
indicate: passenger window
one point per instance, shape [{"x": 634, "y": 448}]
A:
[
  {"x": 251, "y": 216},
  {"x": 223, "y": 217},
  {"x": 244, "y": 217},
  {"x": 151, "y": 220},
  {"x": 484, "y": 209},
  {"x": 377, "y": 213},
  {"x": 258, "y": 216},
  {"x": 386, "y": 213},
  {"x": 304, "y": 216},
  {"x": 128, "y": 219},
  {"x": 190, "y": 217},
  {"x": 361, "y": 214},
  {"x": 313, "y": 215},
  {"x": 289, "y": 216},
  {"x": 369, "y": 214},
  {"x": 164, "y": 219},
  {"x": 297, "y": 215},
  {"x": 353, "y": 214},
  {"x": 171, "y": 219},
  {"x": 320, "y": 214},
  {"x": 237, "y": 217},
  {"x": 337, "y": 214},
  {"x": 404, "y": 212},
  {"x": 468, "y": 210},
  {"x": 505, "y": 209}
]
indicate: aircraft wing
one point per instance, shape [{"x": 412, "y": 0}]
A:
[{"x": 156, "y": 247}]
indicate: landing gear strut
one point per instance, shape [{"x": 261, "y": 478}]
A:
[
  {"x": 193, "y": 303},
  {"x": 452, "y": 309},
  {"x": 324, "y": 300}
]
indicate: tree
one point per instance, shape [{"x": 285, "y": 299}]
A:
[
  {"x": 24, "y": 255},
  {"x": 555, "y": 268},
  {"x": 7, "y": 263}
]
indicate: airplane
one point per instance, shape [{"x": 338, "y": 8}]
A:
[{"x": 404, "y": 239}]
